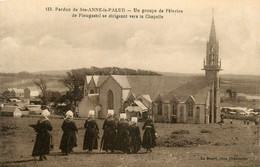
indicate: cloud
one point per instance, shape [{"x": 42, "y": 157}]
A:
[
  {"x": 51, "y": 42},
  {"x": 33, "y": 39},
  {"x": 10, "y": 43}
]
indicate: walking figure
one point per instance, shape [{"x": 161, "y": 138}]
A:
[
  {"x": 69, "y": 139},
  {"x": 149, "y": 135},
  {"x": 43, "y": 141},
  {"x": 109, "y": 135},
  {"x": 122, "y": 138},
  {"x": 91, "y": 134},
  {"x": 135, "y": 137}
]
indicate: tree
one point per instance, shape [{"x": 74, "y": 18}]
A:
[
  {"x": 52, "y": 96},
  {"x": 41, "y": 84},
  {"x": 74, "y": 81},
  {"x": 229, "y": 91}
]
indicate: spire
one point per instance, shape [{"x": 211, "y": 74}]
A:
[{"x": 212, "y": 36}]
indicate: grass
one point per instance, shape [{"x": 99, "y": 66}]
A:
[{"x": 177, "y": 145}]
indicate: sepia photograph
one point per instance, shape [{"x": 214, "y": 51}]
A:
[{"x": 128, "y": 83}]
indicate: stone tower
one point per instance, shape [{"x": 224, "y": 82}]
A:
[{"x": 212, "y": 64}]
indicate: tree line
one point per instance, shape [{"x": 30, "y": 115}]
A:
[{"x": 115, "y": 71}]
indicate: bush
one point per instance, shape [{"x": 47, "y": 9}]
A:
[
  {"x": 180, "y": 132},
  {"x": 239, "y": 117},
  {"x": 7, "y": 129},
  {"x": 181, "y": 142},
  {"x": 205, "y": 131}
]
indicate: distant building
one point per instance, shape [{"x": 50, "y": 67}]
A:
[
  {"x": 10, "y": 111},
  {"x": 31, "y": 92},
  {"x": 14, "y": 92}
]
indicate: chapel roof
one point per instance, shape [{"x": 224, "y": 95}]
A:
[
  {"x": 152, "y": 86},
  {"x": 197, "y": 88}
]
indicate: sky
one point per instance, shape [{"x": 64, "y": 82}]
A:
[{"x": 33, "y": 39}]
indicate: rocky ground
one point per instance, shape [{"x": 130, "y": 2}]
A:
[{"x": 178, "y": 145}]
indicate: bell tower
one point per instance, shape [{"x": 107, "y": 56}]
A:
[{"x": 212, "y": 64}]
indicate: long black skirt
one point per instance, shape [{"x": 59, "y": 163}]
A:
[
  {"x": 43, "y": 144},
  {"x": 90, "y": 141},
  {"x": 149, "y": 138}
]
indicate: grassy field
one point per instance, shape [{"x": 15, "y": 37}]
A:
[
  {"x": 23, "y": 82},
  {"x": 178, "y": 145}
]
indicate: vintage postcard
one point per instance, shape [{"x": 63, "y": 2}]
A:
[{"x": 129, "y": 83}]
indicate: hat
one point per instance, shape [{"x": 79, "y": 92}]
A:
[
  {"x": 45, "y": 113},
  {"x": 110, "y": 112},
  {"x": 123, "y": 116},
  {"x": 134, "y": 119},
  {"x": 69, "y": 114},
  {"x": 91, "y": 113}
]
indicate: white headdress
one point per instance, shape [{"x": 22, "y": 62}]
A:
[
  {"x": 45, "y": 113},
  {"x": 123, "y": 116},
  {"x": 134, "y": 119},
  {"x": 91, "y": 113},
  {"x": 69, "y": 114},
  {"x": 110, "y": 112}
]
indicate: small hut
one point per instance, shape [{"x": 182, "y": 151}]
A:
[
  {"x": 136, "y": 109},
  {"x": 10, "y": 111}
]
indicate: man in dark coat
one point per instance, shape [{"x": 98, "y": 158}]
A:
[
  {"x": 135, "y": 137},
  {"x": 149, "y": 134},
  {"x": 43, "y": 141},
  {"x": 109, "y": 135},
  {"x": 69, "y": 139},
  {"x": 91, "y": 134},
  {"x": 122, "y": 138}
]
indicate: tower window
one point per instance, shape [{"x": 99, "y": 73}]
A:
[
  {"x": 212, "y": 59},
  {"x": 91, "y": 91}
]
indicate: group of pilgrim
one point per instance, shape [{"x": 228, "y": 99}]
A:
[{"x": 123, "y": 135}]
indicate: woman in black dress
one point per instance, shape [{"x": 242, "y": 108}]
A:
[
  {"x": 122, "y": 139},
  {"x": 91, "y": 134},
  {"x": 69, "y": 139},
  {"x": 43, "y": 141},
  {"x": 109, "y": 135},
  {"x": 135, "y": 137},
  {"x": 149, "y": 135}
]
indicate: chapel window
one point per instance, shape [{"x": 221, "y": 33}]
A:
[
  {"x": 160, "y": 108},
  {"x": 110, "y": 100},
  {"x": 174, "y": 109},
  {"x": 190, "y": 110}
]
